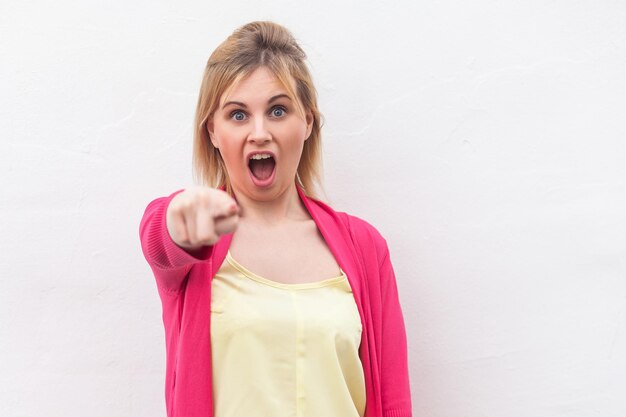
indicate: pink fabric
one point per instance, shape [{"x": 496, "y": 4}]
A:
[{"x": 184, "y": 286}]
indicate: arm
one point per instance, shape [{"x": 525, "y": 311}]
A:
[
  {"x": 169, "y": 262},
  {"x": 388, "y": 318},
  {"x": 395, "y": 387}
]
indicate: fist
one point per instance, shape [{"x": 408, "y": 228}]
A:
[{"x": 199, "y": 215}]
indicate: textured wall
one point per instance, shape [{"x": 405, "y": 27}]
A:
[{"x": 485, "y": 140}]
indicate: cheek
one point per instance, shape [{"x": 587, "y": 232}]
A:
[
  {"x": 222, "y": 132},
  {"x": 229, "y": 153},
  {"x": 228, "y": 142},
  {"x": 296, "y": 131}
]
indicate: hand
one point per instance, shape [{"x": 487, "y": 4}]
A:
[{"x": 199, "y": 215}]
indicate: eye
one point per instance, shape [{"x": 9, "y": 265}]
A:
[
  {"x": 278, "y": 111},
  {"x": 238, "y": 115}
]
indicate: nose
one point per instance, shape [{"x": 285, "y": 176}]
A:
[{"x": 259, "y": 133}]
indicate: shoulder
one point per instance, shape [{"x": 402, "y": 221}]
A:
[
  {"x": 366, "y": 235},
  {"x": 362, "y": 232},
  {"x": 360, "y": 225}
]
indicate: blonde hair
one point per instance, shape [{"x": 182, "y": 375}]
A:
[{"x": 249, "y": 47}]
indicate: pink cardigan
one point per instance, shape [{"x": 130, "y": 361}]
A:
[{"x": 184, "y": 286}]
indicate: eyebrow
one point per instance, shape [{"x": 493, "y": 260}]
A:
[{"x": 239, "y": 103}]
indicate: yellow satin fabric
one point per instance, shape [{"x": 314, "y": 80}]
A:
[{"x": 283, "y": 350}]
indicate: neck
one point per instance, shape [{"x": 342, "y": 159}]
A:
[{"x": 283, "y": 208}]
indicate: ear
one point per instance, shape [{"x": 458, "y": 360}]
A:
[
  {"x": 309, "y": 123},
  {"x": 210, "y": 128}
]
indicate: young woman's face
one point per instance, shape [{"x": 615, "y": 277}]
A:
[{"x": 258, "y": 116}]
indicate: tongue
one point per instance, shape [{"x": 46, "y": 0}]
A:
[{"x": 262, "y": 168}]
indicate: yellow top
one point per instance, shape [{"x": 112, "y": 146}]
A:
[{"x": 284, "y": 349}]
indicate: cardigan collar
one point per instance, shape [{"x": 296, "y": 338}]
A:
[{"x": 333, "y": 230}]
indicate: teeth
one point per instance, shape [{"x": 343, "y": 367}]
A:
[{"x": 261, "y": 156}]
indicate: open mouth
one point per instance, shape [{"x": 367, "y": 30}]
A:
[{"x": 262, "y": 169}]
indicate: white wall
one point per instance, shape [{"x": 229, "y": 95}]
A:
[{"x": 485, "y": 140}]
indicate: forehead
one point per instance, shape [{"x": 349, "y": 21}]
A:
[{"x": 259, "y": 84}]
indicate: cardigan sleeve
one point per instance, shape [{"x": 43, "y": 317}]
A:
[
  {"x": 169, "y": 262},
  {"x": 395, "y": 386}
]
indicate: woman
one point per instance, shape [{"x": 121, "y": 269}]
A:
[{"x": 274, "y": 304}]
